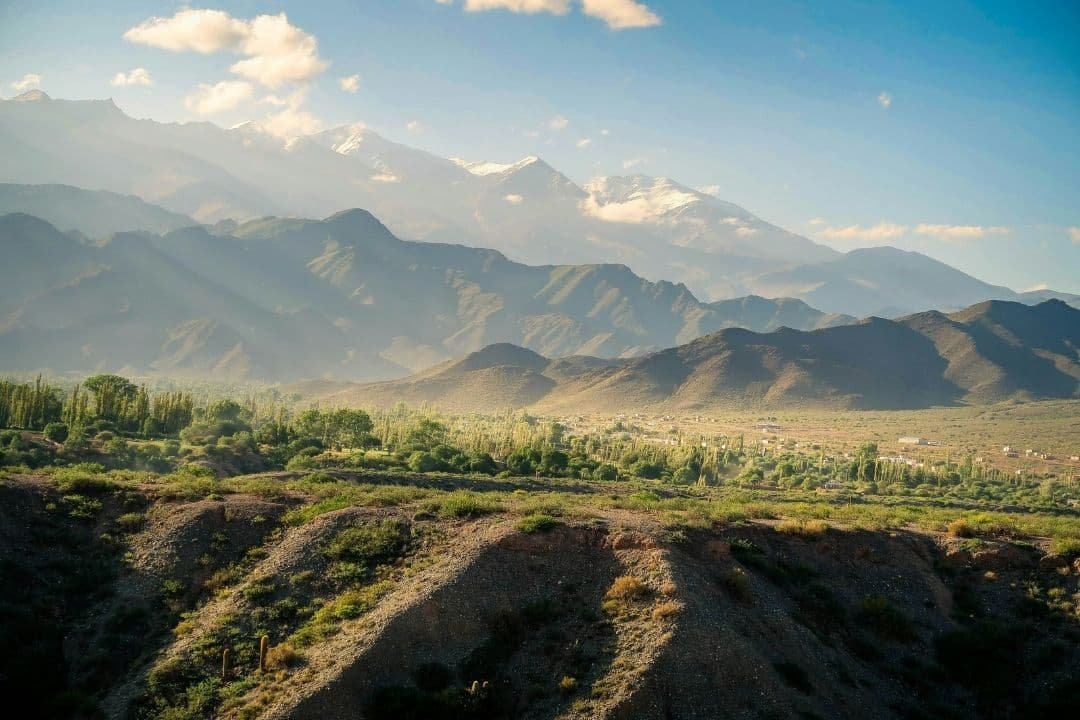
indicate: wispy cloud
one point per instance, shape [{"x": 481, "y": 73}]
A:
[
  {"x": 1074, "y": 234},
  {"x": 960, "y": 232},
  {"x": 616, "y": 14},
  {"x": 349, "y": 84},
  {"x": 621, "y": 14},
  {"x": 514, "y": 199},
  {"x": 29, "y": 80},
  {"x": 713, "y": 190},
  {"x": 559, "y": 122},
  {"x": 815, "y": 222},
  {"x": 584, "y": 142},
  {"x": 885, "y": 100},
  {"x": 529, "y": 7},
  {"x": 631, "y": 163},
  {"x": 881, "y": 231},
  {"x": 138, "y": 76},
  {"x": 414, "y": 126},
  {"x": 220, "y": 97}
]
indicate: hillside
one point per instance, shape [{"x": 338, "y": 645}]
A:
[
  {"x": 92, "y": 213},
  {"x": 407, "y": 597},
  {"x": 987, "y": 353},
  {"x": 240, "y": 301}
]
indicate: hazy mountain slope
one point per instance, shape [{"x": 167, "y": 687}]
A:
[
  {"x": 764, "y": 315},
  {"x": 343, "y": 298},
  {"x": 94, "y": 213},
  {"x": 37, "y": 258},
  {"x": 880, "y": 281},
  {"x": 986, "y": 353},
  {"x": 526, "y": 209}
]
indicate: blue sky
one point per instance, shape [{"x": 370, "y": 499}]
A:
[{"x": 952, "y": 128}]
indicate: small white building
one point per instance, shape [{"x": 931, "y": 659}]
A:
[{"x": 913, "y": 440}]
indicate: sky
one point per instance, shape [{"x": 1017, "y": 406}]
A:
[{"x": 952, "y": 128}]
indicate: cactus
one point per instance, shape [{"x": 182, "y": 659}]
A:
[
  {"x": 264, "y": 649},
  {"x": 226, "y": 664}
]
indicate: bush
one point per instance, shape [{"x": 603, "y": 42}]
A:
[
  {"x": 960, "y": 529},
  {"x": 606, "y": 473},
  {"x": 885, "y": 619},
  {"x": 280, "y": 657},
  {"x": 623, "y": 594},
  {"x": 666, "y": 611},
  {"x": 737, "y": 583},
  {"x": 466, "y": 505},
  {"x": 56, "y": 431},
  {"x": 369, "y": 545},
  {"x": 809, "y": 529},
  {"x": 424, "y": 462},
  {"x": 537, "y": 522},
  {"x": 83, "y": 479}
]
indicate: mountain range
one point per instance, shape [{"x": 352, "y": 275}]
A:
[
  {"x": 284, "y": 299},
  {"x": 990, "y": 352},
  {"x": 527, "y": 210}
]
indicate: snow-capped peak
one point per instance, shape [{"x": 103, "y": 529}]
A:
[
  {"x": 483, "y": 167},
  {"x": 659, "y": 195},
  {"x": 31, "y": 96}
]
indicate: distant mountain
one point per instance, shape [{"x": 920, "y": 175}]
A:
[
  {"x": 986, "y": 353},
  {"x": 527, "y": 209},
  {"x": 342, "y": 298},
  {"x": 880, "y": 281},
  {"x": 93, "y": 213}
]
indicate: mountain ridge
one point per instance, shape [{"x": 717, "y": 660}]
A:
[{"x": 993, "y": 351}]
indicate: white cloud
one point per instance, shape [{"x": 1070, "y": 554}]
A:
[
  {"x": 222, "y": 97},
  {"x": 959, "y": 232},
  {"x": 605, "y": 132},
  {"x": 881, "y": 231},
  {"x": 279, "y": 53},
  {"x": 816, "y": 221},
  {"x": 1036, "y": 288},
  {"x": 529, "y": 7},
  {"x": 514, "y": 199},
  {"x": 29, "y": 80},
  {"x": 713, "y": 190},
  {"x": 201, "y": 31},
  {"x": 558, "y": 123},
  {"x": 414, "y": 126},
  {"x": 1074, "y": 234},
  {"x": 635, "y": 211},
  {"x": 276, "y": 52},
  {"x": 621, "y": 14},
  {"x": 349, "y": 84},
  {"x": 138, "y": 76},
  {"x": 293, "y": 120},
  {"x": 386, "y": 177},
  {"x": 633, "y": 163},
  {"x": 885, "y": 100},
  {"x": 584, "y": 142},
  {"x": 617, "y": 14}
]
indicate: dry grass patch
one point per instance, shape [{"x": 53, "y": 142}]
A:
[
  {"x": 623, "y": 593},
  {"x": 810, "y": 529},
  {"x": 666, "y": 611}
]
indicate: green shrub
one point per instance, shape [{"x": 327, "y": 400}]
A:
[
  {"x": 737, "y": 583},
  {"x": 466, "y": 505},
  {"x": 56, "y": 431},
  {"x": 370, "y": 545},
  {"x": 537, "y": 522},
  {"x": 885, "y": 619}
]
